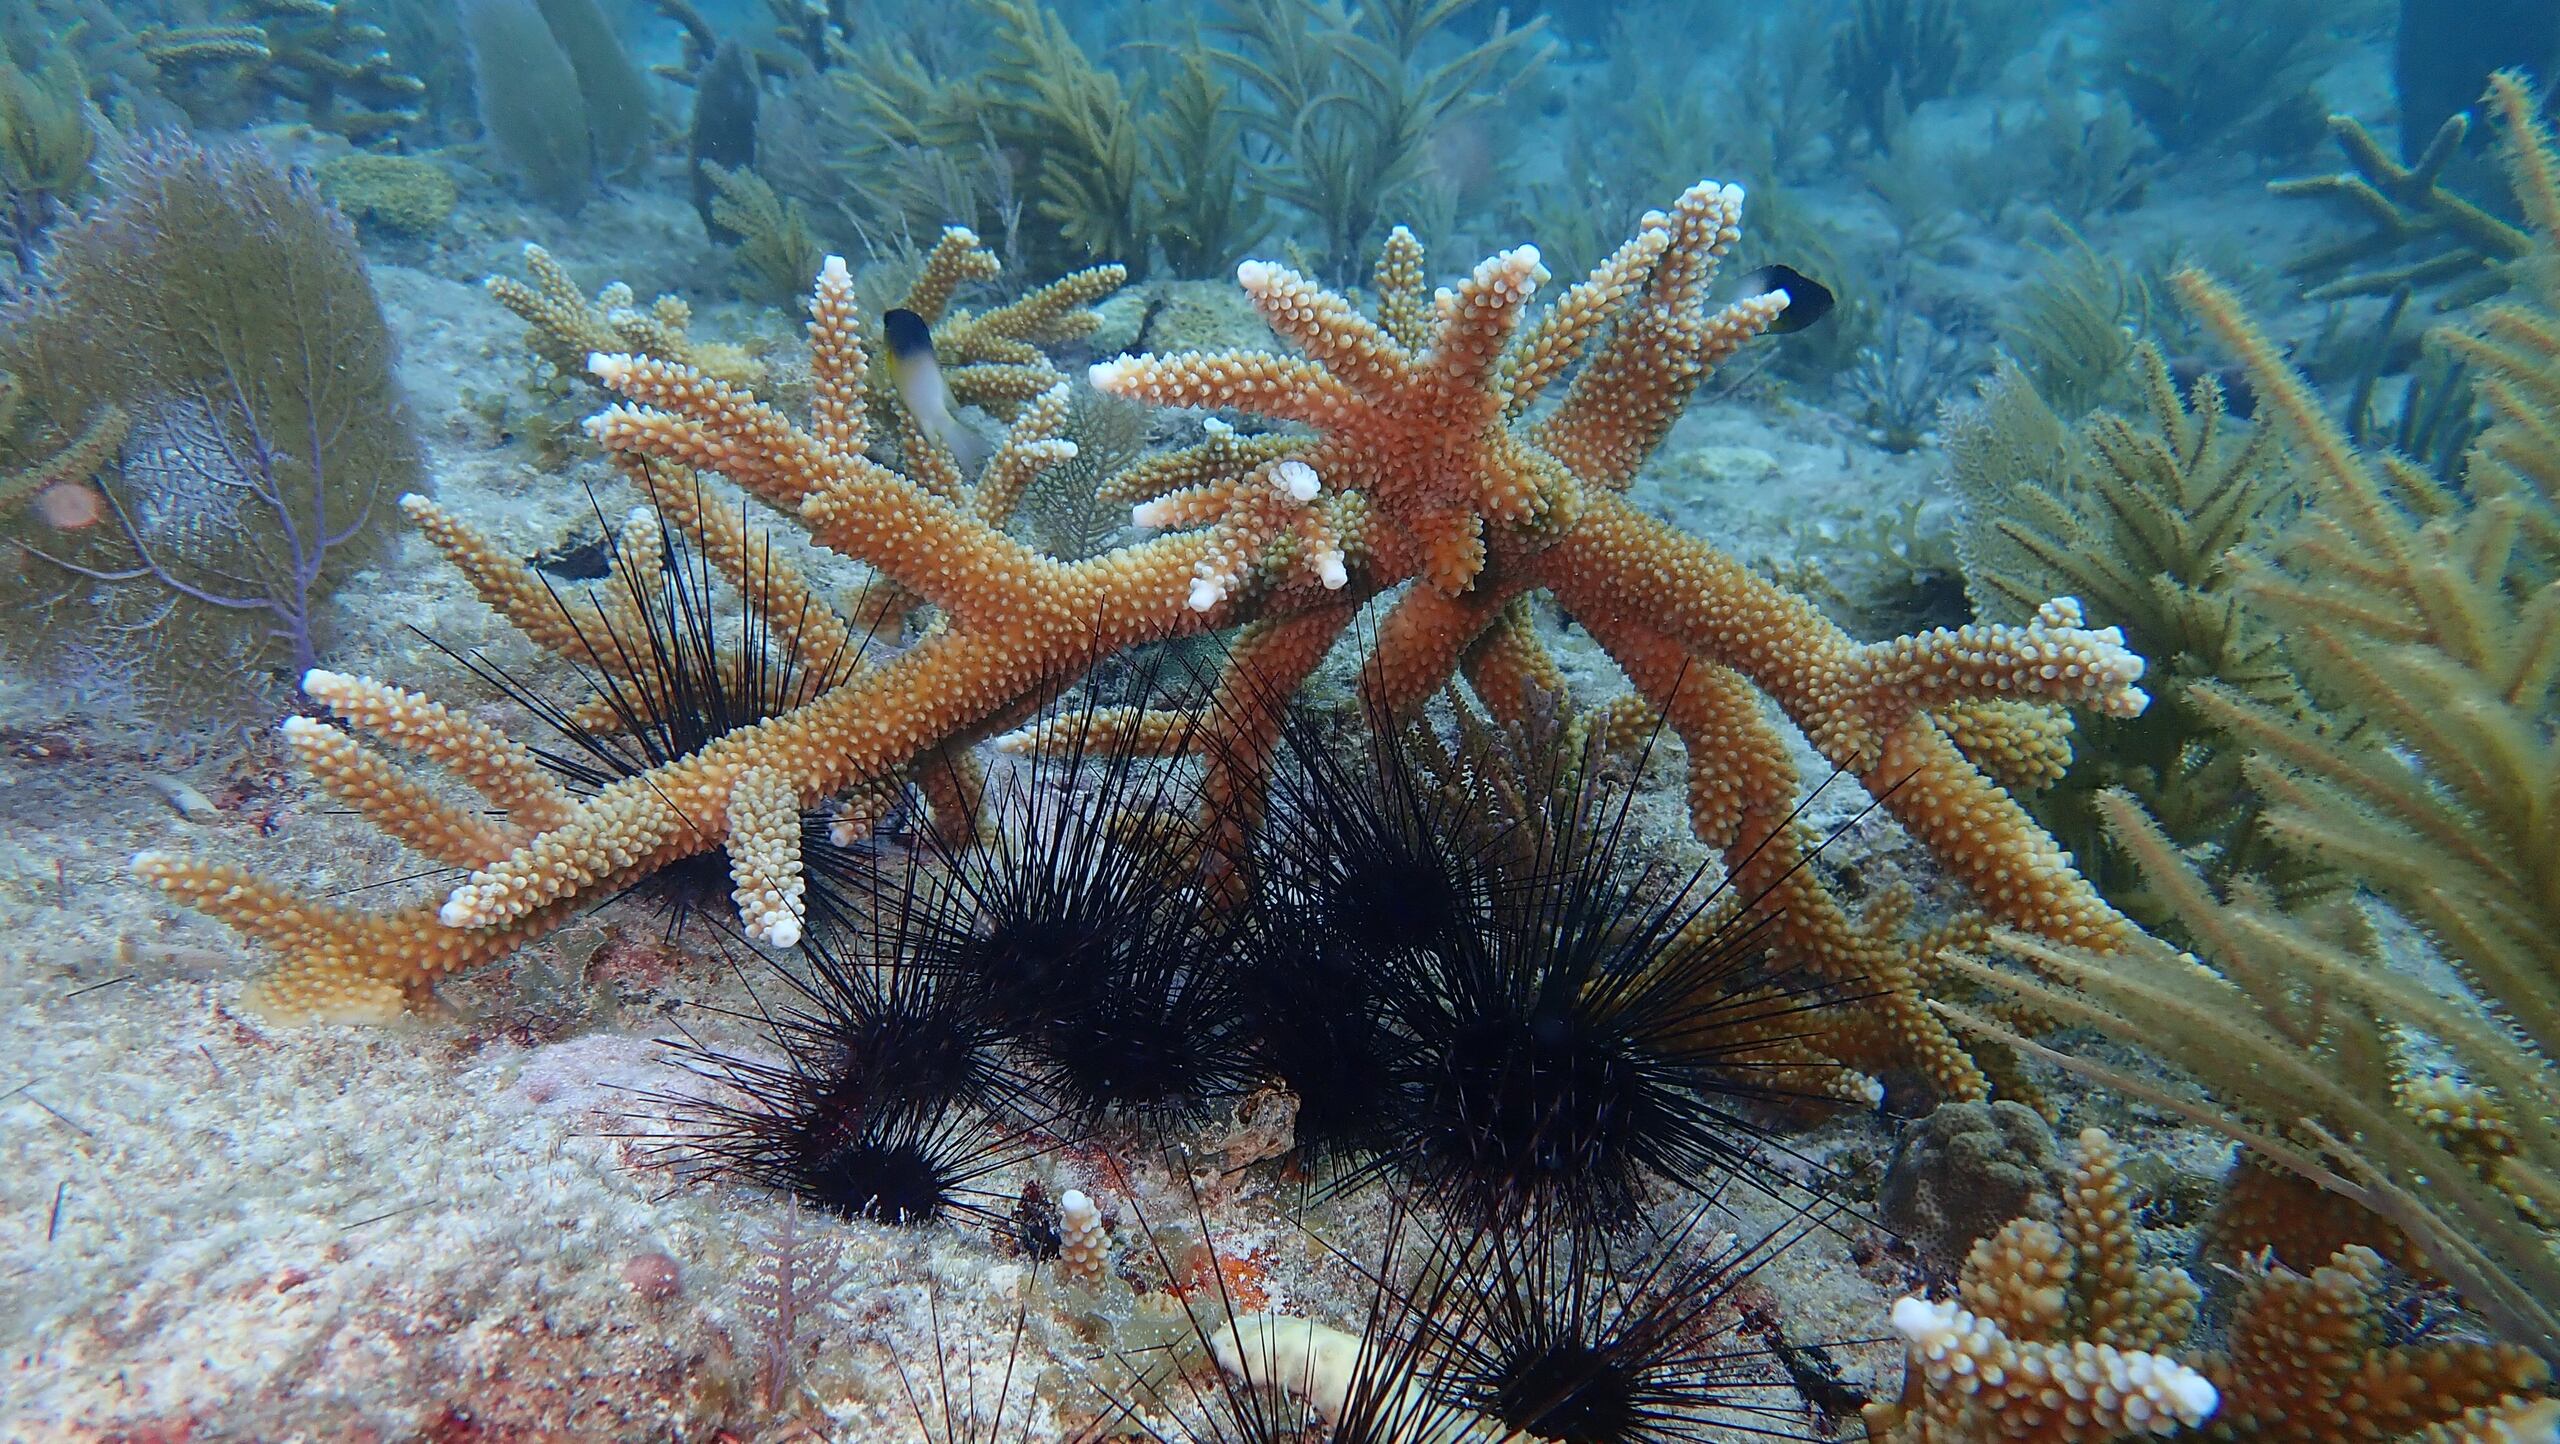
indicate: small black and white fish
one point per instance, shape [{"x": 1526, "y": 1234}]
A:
[
  {"x": 1808, "y": 300},
  {"x": 920, "y": 385}
]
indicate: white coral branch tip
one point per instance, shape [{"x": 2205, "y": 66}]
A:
[
  {"x": 776, "y": 929},
  {"x": 835, "y": 273},
  {"x": 1206, "y": 592},
  {"x": 610, "y": 368},
  {"x": 1298, "y": 479}
]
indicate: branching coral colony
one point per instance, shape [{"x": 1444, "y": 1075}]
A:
[{"x": 1424, "y": 466}]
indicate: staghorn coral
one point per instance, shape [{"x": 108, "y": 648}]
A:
[
  {"x": 2060, "y": 1333},
  {"x": 992, "y": 359},
  {"x": 325, "y": 56},
  {"x": 2055, "y": 1333},
  {"x": 564, "y": 328},
  {"x": 2135, "y": 513},
  {"x": 1427, "y": 461},
  {"x": 2309, "y": 1360},
  {"x": 2435, "y": 618},
  {"x": 1084, "y": 1243}
]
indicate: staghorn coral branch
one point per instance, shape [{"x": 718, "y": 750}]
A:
[
  {"x": 1289, "y": 390},
  {"x": 1421, "y": 467},
  {"x": 1619, "y": 563},
  {"x": 335, "y": 964},
  {"x": 764, "y": 856},
  {"x": 1510, "y": 670},
  {"x": 514, "y": 590},
  {"x": 387, "y": 798},
  {"x": 493, "y": 764}
]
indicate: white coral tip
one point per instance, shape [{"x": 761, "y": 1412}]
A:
[
  {"x": 611, "y": 368},
  {"x": 1254, "y": 275},
  {"x": 458, "y": 911},
  {"x": 1298, "y": 479},
  {"x": 1922, "y": 1322},
  {"x": 1206, "y": 593},
  {"x": 320, "y": 679},
  {"x": 2190, "y": 1393},
  {"x": 1329, "y": 571},
  {"x": 1106, "y": 374},
  {"x": 1150, "y": 515},
  {"x": 835, "y": 272},
  {"x": 782, "y": 930},
  {"x": 302, "y": 726},
  {"x": 1212, "y": 426}
]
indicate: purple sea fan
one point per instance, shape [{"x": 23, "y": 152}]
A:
[{"x": 220, "y": 304}]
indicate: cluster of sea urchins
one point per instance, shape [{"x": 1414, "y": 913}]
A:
[
  {"x": 1469, "y": 988},
  {"x": 1449, "y": 957}
]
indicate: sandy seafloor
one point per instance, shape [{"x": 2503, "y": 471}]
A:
[{"x": 216, "y": 1229}]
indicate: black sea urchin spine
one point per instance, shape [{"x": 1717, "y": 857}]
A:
[
  {"x": 671, "y": 676},
  {"x": 881, "y": 1105},
  {"x": 1079, "y": 920},
  {"x": 1533, "y": 1023},
  {"x": 1546, "y": 1334}
]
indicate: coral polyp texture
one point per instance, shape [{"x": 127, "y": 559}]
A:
[
  {"x": 2060, "y": 1334},
  {"x": 1425, "y": 464}
]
